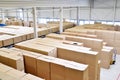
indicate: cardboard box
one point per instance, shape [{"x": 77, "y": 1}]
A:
[
  {"x": 16, "y": 62},
  {"x": 43, "y": 68},
  {"x": 58, "y": 71},
  {"x": 12, "y": 60},
  {"x": 28, "y": 36},
  {"x": 17, "y": 39},
  {"x": 24, "y": 37},
  {"x": 30, "y": 63},
  {"x": 42, "y": 49},
  {"x": 76, "y": 75},
  {"x": 105, "y": 35},
  {"x": 4, "y": 58},
  {"x": 71, "y": 70},
  {"x": 81, "y": 57},
  {"x": 106, "y": 58},
  {"x": 7, "y": 42}
]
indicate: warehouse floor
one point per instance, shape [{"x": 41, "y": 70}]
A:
[{"x": 113, "y": 73}]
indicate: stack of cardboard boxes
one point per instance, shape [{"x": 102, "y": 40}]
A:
[
  {"x": 69, "y": 52},
  {"x": 12, "y": 59},
  {"x": 94, "y": 44},
  {"x": 50, "y": 68}
]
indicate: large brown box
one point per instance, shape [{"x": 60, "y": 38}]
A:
[
  {"x": 82, "y": 57},
  {"x": 58, "y": 72},
  {"x": 12, "y": 60},
  {"x": 76, "y": 75},
  {"x": 4, "y": 58},
  {"x": 17, "y": 39},
  {"x": 106, "y": 56},
  {"x": 16, "y": 62},
  {"x": 42, "y": 49},
  {"x": 43, "y": 68},
  {"x": 24, "y": 37},
  {"x": 71, "y": 70},
  {"x": 7, "y": 40},
  {"x": 30, "y": 63},
  {"x": 117, "y": 35}
]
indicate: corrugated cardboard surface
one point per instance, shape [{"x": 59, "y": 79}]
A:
[
  {"x": 58, "y": 72},
  {"x": 30, "y": 63},
  {"x": 81, "y": 58},
  {"x": 43, "y": 69},
  {"x": 42, "y": 49},
  {"x": 17, "y": 39},
  {"x": 106, "y": 58}
]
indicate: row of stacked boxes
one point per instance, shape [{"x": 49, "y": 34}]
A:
[
  {"x": 111, "y": 37},
  {"x": 105, "y": 52},
  {"x": 49, "y": 68},
  {"x": 14, "y": 34},
  {"x": 65, "y": 51}
]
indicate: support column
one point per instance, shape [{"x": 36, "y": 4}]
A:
[
  {"x": 77, "y": 16},
  {"x": 27, "y": 15},
  {"x": 114, "y": 14},
  {"x": 23, "y": 14},
  {"x": 35, "y": 23},
  {"x": 16, "y": 13},
  {"x": 53, "y": 14},
  {"x": 61, "y": 20},
  {"x": 3, "y": 16},
  {"x": 90, "y": 2},
  {"x": 70, "y": 12}
]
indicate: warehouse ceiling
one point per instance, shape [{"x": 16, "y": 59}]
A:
[{"x": 43, "y": 3}]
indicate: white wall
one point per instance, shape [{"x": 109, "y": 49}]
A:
[{"x": 102, "y": 10}]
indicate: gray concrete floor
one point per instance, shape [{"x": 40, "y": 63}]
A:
[{"x": 113, "y": 72}]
